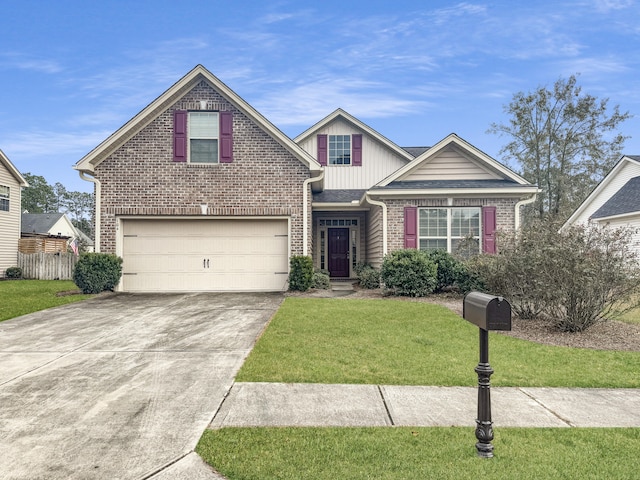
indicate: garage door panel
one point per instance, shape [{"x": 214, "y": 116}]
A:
[{"x": 205, "y": 255}]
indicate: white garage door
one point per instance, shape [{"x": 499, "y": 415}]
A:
[{"x": 204, "y": 255}]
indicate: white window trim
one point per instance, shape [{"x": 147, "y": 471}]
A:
[
  {"x": 5, "y": 194},
  {"x": 329, "y": 150},
  {"x": 190, "y": 137},
  {"x": 449, "y": 237}
]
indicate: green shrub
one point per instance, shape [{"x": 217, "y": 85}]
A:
[
  {"x": 575, "y": 277},
  {"x": 409, "y": 272},
  {"x": 321, "y": 279},
  {"x": 13, "y": 272},
  {"x": 97, "y": 272},
  {"x": 368, "y": 276},
  {"x": 449, "y": 269},
  {"x": 301, "y": 273}
]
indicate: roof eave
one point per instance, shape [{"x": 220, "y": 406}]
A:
[{"x": 455, "y": 192}]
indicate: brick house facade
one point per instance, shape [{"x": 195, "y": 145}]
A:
[{"x": 233, "y": 221}]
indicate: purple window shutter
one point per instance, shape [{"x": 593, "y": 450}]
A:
[
  {"x": 356, "y": 149},
  {"x": 410, "y": 227},
  {"x": 322, "y": 149},
  {"x": 226, "y": 137},
  {"x": 489, "y": 229},
  {"x": 180, "y": 136}
]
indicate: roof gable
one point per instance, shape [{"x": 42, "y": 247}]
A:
[
  {"x": 453, "y": 159},
  {"x": 340, "y": 114},
  {"x": 40, "y": 223},
  {"x": 627, "y": 167},
  {"x": 624, "y": 201},
  {"x": 4, "y": 160},
  {"x": 171, "y": 96}
]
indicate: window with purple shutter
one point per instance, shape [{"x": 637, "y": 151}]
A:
[
  {"x": 180, "y": 136},
  {"x": 356, "y": 149},
  {"x": 322, "y": 149},
  {"x": 410, "y": 227}
]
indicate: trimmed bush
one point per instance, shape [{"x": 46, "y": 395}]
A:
[
  {"x": 368, "y": 276},
  {"x": 13, "y": 272},
  {"x": 301, "y": 273},
  {"x": 97, "y": 272},
  {"x": 321, "y": 279},
  {"x": 449, "y": 269},
  {"x": 409, "y": 272}
]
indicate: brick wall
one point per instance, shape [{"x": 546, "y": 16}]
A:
[{"x": 140, "y": 178}]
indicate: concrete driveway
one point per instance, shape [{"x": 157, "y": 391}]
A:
[{"x": 122, "y": 386}]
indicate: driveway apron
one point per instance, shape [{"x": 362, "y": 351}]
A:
[{"x": 121, "y": 386}]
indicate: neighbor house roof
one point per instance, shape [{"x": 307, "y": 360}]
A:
[
  {"x": 172, "y": 95},
  {"x": 627, "y": 165},
  {"x": 4, "y": 160},
  {"x": 42, "y": 223},
  {"x": 626, "y": 200}
]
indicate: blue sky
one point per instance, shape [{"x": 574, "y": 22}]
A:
[{"x": 72, "y": 72}]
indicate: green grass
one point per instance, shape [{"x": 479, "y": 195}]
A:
[
  {"x": 395, "y": 342},
  {"x": 420, "y": 453},
  {"x": 19, "y": 297}
]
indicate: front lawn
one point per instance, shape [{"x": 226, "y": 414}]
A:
[
  {"x": 393, "y": 342},
  {"x": 19, "y": 297},
  {"x": 417, "y": 453}
]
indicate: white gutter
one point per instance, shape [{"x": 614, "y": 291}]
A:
[
  {"x": 526, "y": 201},
  {"x": 98, "y": 191},
  {"x": 305, "y": 211},
  {"x": 384, "y": 221}
]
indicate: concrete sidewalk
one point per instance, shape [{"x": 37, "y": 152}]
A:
[{"x": 304, "y": 405}]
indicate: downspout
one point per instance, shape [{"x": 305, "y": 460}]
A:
[
  {"x": 96, "y": 232},
  {"x": 305, "y": 211},
  {"x": 526, "y": 201},
  {"x": 384, "y": 221}
]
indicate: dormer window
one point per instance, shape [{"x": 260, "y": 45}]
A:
[{"x": 339, "y": 149}]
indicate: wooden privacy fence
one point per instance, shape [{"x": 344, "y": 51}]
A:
[{"x": 47, "y": 266}]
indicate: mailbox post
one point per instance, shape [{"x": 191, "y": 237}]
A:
[{"x": 488, "y": 313}]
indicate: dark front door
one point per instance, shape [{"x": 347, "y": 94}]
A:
[{"x": 339, "y": 252}]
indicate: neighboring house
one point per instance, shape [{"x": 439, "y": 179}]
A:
[
  {"x": 615, "y": 201},
  {"x": 11, "y": 183},
  {"x": 200, "y": 192},
  {"x": 46, "y": 232}
]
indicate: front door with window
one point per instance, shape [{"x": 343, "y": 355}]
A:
[{"x": 338, "y": 252}]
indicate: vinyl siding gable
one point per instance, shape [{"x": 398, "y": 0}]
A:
[
  {"x": 450, "y": 164},
  {"x": 376, "y": 162}
]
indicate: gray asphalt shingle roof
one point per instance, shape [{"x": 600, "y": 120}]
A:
[
  {"x": 431, "y": 184},
  {"x": 39, "y": 223},
  {"x": 625, "y": 200},
  {"x": 338, "y": 196}
]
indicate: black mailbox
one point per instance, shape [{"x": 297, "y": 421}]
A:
[{"x": 487, "y": 311}]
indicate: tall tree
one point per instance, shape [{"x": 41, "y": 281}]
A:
[
  {"x": 38, "y": 197},
  {"x": 564, "y": 141}
]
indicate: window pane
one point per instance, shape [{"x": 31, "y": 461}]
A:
[
  {"x": 204, "y": 151},
  {"x": 203, "y": 125},
  {"x": 433, "y": 244},
  {"x": 4, "y": 198}
]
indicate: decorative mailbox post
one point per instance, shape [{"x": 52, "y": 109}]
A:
[{"x": 488, "y": 313}]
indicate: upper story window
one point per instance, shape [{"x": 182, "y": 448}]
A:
[
  {"x": 339, "y": 149},
  {"x": 204, "y": 133},
  {"x": 4, "y": 198},
  {"x": 446, "y": 228}
]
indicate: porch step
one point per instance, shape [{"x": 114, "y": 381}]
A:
[{"x": 342, "y": 286}]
